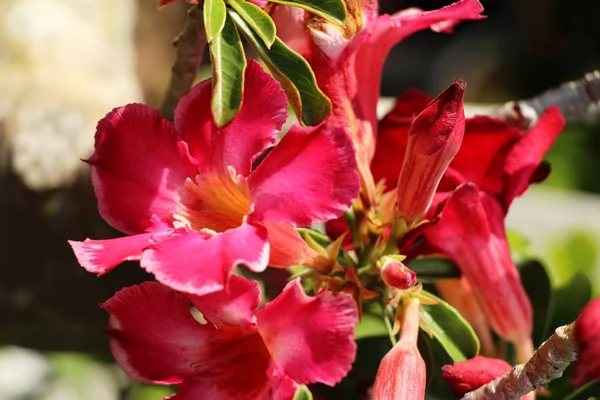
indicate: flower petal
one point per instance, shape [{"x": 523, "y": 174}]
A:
[
  {"x": 587, "y": 330},
  {"x": 255, "y": 127},
  {"x": 235, "y": 305},
  {"x": 287, "y": 247},
  {"x": 137, "y": 168},
  {"x": 386, "y": 31},
  {"x": 393, "y": 136},
  {"x": 434, "y": 139},
  {"x": 198, "y": 263},
  {"x": 466, "y": 376},
  {"x": 101, "y": 256},
  {"x": 310, "y": 176},
  {"x": 311, "y": 339},
  {"x": 471, "y": 232},
  {"x": 485, "y": 139},
  {"x": 153, "y": 335},
  {"x": 524, "y": 158}
]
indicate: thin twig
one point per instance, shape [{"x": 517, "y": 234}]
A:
[
  {"x": 190, "y": 45},
  {"x": 577, "y": 100},
  {"x": 546, "y": 364}
]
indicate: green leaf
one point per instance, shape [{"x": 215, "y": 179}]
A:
[
  {"x": 293, "y": 72},
  {"x": 258, "y": 20},
  {"x": 520, "y": 248},
  {"x": 370, "y": 326},
  {"x": 215, "y": 14},
  {"x": 332, "y": 10},
  {"x": 450, "y": 329},
  {"x": 320, "y": 238},
  {"x": 229, "y": 64},
  {"x": 433, "y": 268},
  {"x": 538, "y": 287},
  {"x": 303, "y": 393}
]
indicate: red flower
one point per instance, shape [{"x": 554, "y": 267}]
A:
[
  {"x": 238, "y": 353},
  {"x": 587, "y": 332},
  {"x": 466, "y": 376},
  {"x": 188, "y": 197}
]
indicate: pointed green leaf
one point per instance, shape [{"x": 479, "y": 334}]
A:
[
  {"x": 320, "y": 238},
  {"x": 229, "y": 64},
  {"x": 370, "y": 326},
  {"x": 293, "y": 72},
  {"x": 450, "y": 329},
  {"x": 215, "y": 14},
  {"x": 332, "y": 10},
  {"x": 303, "y": 393},
  {"x": 433, "y": 268},
  {"x": 258, "y": 20}
]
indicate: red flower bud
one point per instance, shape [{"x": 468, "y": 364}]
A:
[
  {"x": 401, "y": 374},
  {"x": 397, "y": 275},
  {"x": 466, "y": 376},
  {"x": 587, "y": 332},
  {"x": 434, "y": 139}
]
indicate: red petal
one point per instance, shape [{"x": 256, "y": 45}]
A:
[
  {"x": 319, "y": 351},
  {"x": 101, "y": 256},
  {"x": 287, "y": 247},
  {"x": 197, "y": 263},
  {"x": 587, "y": 331},
  {"x": 153, "y": 335},
  {"x": 485, "y": 139},
  {"x": 434, "y": 139},
  {"x": 235, "y": 305},
  {"x": 310, "y": 176},
  {"x": 471, "y": 232},
  {"x": 263, "y": 113},
  {"x": 393, "y": 136},
  {"x": 466, "y": 376},
  {"x": 137, "y": 168}
]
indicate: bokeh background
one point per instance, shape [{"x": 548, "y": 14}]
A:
[{"x": 65, "y": 63}]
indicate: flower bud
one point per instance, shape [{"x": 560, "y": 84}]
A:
[
  {"x": 587, "y": 332},
  {"x": 401, "y": 374},
  {"x": 396, "y": 275},
  {"x": 466, "y": 376}
]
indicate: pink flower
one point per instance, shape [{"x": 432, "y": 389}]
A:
[
  {"x": 396, "y": 275},
  {"x": 587, "y": 332},
  {"x": 402, "y": 374},
  {"x": 471, "y": 231},
  {"x": 239, "y": 352},
  {"x": 188, "y": 196},
  {"x": 465, "y": 376}
]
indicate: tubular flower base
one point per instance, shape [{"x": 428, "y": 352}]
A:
[
  {"x": 401, "y": 374},
  {"x": 471, "y": 232},
  {"x": 587, "y": 332},
  {"x": 239, "y": 352},
  {"x": 188, "y": 197}
]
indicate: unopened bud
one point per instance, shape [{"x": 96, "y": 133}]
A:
[
  {"x": 396, "y": 275},
  {"x": 402, "y": 373},
  {"x": 466, "y": 376}
]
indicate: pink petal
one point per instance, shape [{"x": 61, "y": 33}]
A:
[
  {"x": 287, "y": 247},
  {"x": 385, "y": 32},
  {"x": 263, "y": 113},
  {"x": 587, "y": 331},
  {"x": 434, "y": 139},
  {"x": 101, "y": 256},
  {"x": 393, "y": 136},
  {"x": 485, "y": 139},
  {"x": 526, "y": 155},
  {"x": 309, "y": 176},
  {"x": 311, "y": 339},
  {"x": 153, "y": 335},
  {"x": 137, "y": 168},
  {"x": 466, "y": 376},
  {"x": 235, "y": 305},
  {"x": 471, "y": 232},
  {"x": 198, "y": 263}
]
